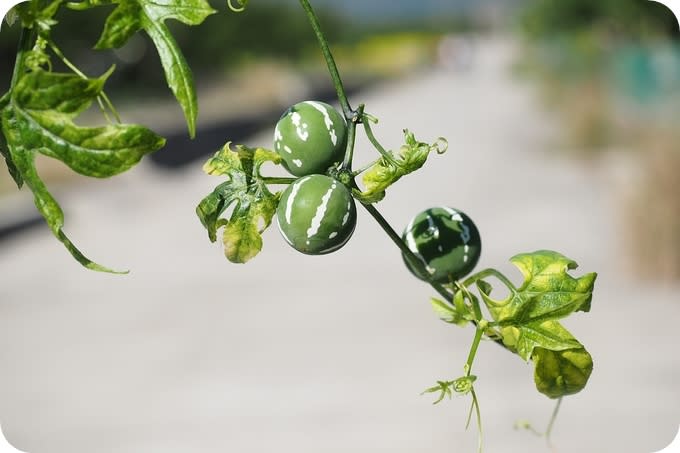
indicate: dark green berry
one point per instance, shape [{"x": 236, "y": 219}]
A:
[{"x": 446, "y": 242}]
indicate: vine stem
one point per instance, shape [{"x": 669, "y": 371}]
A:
[
  {"x": 277, "y": 180},
  {"x": 102, "y": 98},
  {"x": 473, "y": 349},
  {"x": 374, "y": 141},
  {"x": 353, "y": 118},
  {"x": 25, "y": 42},
  {"x": 551, "y": 423},
  {"x": 330, "y": 61},
  {"x": 384, "y": 224},
  {"x": 441, "y": 289}
]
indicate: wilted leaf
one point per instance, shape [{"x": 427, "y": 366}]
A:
[
  {"x": 387, "y": 171},
  {"x": 561, "y": 373},
  {"x": 528, "y": 316},
  {"x": 254, "y": 205}
]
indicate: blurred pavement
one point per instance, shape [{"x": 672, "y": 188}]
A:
[{"x": 291, "y": 353}]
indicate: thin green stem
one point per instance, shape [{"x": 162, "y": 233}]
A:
[
  {"x": 374, "y": 141},
  {"x": 441, "y": 289},
  {"x": 102, "y": 98},
  {"x": 477, "y": 310},
  {"x": 405, "y": 250},
  {"x": 478, "y": 412},
  {"x": 277, "y": 180},
  {"x": 489, "y": 273},
  {"x": 551, "y": 423},
  {"x": 351, "y": 139},
  {"x": 26, "y": 40},
  {"x": 330, "y": 61},
  {"x": 473, "y": 349},
  {"x": 356, "y": 173}
]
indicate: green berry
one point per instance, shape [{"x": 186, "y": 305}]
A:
[
  {"x": 446, "y": 242},
  {"x": 316, "y": 215},
  {"x": 310, "y": 138}
]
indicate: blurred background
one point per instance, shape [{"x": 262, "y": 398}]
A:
[{"x": 561, "y": 118}]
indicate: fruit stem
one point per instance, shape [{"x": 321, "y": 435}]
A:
[
  {"x": 330, "y": 61},
  {"x": 405, "y": 250},
  {"x": 277, "y": 180},
  {"x": 441, "y": 289}
]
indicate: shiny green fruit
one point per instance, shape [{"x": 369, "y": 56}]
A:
[
  {"x": 316, "y": 215},
  {"x": 446, "y": 242},
  {"x": 310, "y": 138}
]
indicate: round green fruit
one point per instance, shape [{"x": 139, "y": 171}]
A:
[
  {"x": 446, "y": 242},
  {"x": 316, "y": 215},
  {"x": 310, "y": 138}
]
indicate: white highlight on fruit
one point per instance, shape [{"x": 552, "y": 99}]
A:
[
  {"x": 320, "y": 212},
  {"x": 332, "y": 235},
  {"x": 345, "y": 218},
  {"x": 465, "y": 235},
  {"x": 297, "y": 162},
  {"x": 277, "y": 137},
  {"x": 291, "y": 198},
  {"x": 455, "y": 215},
  {"x": 286, "y": 148},
  {"x": 432, "y": 228},
  {"x": 326, "y": 119},
  {"x": 413, "y": 246},
  {"x": 300, "y": 127}
]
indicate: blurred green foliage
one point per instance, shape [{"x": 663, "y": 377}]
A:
[
  {"x": 611, "y": 70},
  {"x": 223, "y": 41},
  {"x": 625, "y": 19}
]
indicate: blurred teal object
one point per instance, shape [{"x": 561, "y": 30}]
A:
[{"x": 647, "y": 75}]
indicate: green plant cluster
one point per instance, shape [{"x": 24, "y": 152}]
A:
[{"x": 39, "y": 114}]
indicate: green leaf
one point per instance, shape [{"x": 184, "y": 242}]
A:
[
  {"x": 528, "y": 319},
  {"x": 561, "y": 373},
  {"x": 49, "y": 208},
  {"x": 38, "y": 118},
  {"x": 38, "y": 15},
  {"x": 13, "y": 171},
  {"x": 547, "y": 334},
  {"x": 546, "y": 279},
  {"x": 389, "y": 169},
  {"x": 253, "y": 204},
  {"x": 547, "y": 294},
  {"x": 459, "y": 314},
  {"x": 131, "y": 16}
]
